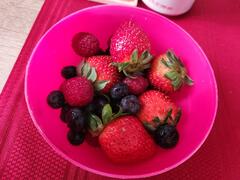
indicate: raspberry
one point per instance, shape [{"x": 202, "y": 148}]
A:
[
  {"x": 85, "y": 44},
  {"x": 136, "y": 85},
  {"x": 78, "y": 91}
]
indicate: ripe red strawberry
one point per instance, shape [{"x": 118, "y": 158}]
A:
[
  {"x": 78, "y": 91},
  {"x": 157, "y": 108},
  {"x": 105, "y": 72},
  {"x": 168, "y": 73},
  {"x": 136, "y": 85},
  {"x": 85, "y": 44},
  {"x": 125, "y": 140},
  {"x": 130, "y": 48}
]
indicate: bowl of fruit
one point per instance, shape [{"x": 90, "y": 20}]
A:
[{"x": 121, "y": 92}]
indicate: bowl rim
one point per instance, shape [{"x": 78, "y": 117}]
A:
[{"x": 84, "y": 167}]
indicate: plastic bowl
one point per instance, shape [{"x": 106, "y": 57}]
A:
[{"x": 53, "y": 51}]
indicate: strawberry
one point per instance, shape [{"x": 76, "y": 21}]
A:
[
  {"x": 105, "y": 72},
  {"x": 85, "y": 44},
  {"x": 125, "y": 140},
  {"x": 157, "y": 109},
  {"x": 77, "y": 91},
  {"x": 130, "y": 48},
  {"x": 168, "y": 73},
  {"x": 137, "y": 84}
]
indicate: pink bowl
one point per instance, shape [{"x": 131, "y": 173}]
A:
[{"x": 53, "y": 51}]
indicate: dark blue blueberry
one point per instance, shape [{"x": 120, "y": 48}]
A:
[
  {"x": 64, "y": 111},
  {"x": 119, "y": 91},
  {"x": 166, "y": 136},
  {"x": 100, "y": 102},
  {"x": 75, "y": 138},
  {"x": 130, "y": 104},
  {"x": 76, "y": 120},
  {"x": 107, "y": 52},
  {"x": 102, "y": 52},
  {"x": 56, "y": 99},
  {"x": 96, "y": 106},
  {"x": 90, "y": 108},
  {"x": 69, "y": 72},
  {"x": 115, "y": 104}
]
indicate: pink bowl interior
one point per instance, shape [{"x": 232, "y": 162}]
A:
[{"x": 54, "y": 52}]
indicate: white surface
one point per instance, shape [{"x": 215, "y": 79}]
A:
[{"x": 16, "y": 19}]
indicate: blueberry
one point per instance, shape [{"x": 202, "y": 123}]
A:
[
  {"x": 119, "y": 91},
  {"x": 64, "y": 111},
  {"x": 107, "y": 52},
  {"x": 56, "y": 99},
  {"x": 166, "y": 136},
  {"x": 76, "y": 119},
  {"x": 115, "y": 104},
  {"x": 69, "y": 72},
  {"x": 96, "y": 106},
  {"x": 90, "y": 108},
  {"x": 100, "y": 102},
  {"x": 130, "y": 104},
  {"x": 102, "y": 52},
  {"x": 75, "y": 138}
]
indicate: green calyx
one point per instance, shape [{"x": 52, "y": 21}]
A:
[
  {"x": 85, "y": 70},
  {"x": 177, "y": 72},
  {"x": 168, "y": 119},
  {"x": 97, "y": 124},
  {"x": 135, "y": 63}
]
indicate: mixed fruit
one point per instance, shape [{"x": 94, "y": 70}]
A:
[{"x": 120, "y": 96}]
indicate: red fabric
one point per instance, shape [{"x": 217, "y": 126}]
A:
[{"x": 214, "y": 24}]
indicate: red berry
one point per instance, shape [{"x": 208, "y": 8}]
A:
[
  {"x": 128, "y": 37},
  {"x": 105, "y": 71},
  {"x": 130, "y": 48},
  {"x": 85, "y": 44},
  {"x": 168, "y": 73},
  {"x": 136, "y": 85},
  {"x": 78, "y": 91},
  {"x": 125, "y": 140},
  {"x": 157, "y": 108}
]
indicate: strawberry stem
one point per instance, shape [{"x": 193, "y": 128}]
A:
[
  {"x": 177, "y": 73},
  {"x": 135, "y": 63}
]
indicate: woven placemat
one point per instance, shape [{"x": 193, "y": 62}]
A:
[{"x": 214, "y": 24}]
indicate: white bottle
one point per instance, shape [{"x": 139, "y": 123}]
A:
[{"x": 170, "y": 7}]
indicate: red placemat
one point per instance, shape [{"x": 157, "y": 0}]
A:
[{"x": 214, "y": 24}]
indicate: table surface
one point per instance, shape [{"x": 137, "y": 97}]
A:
[
  {"x": 16, "y": 19},
  {"x": 213, "y": 24}
]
